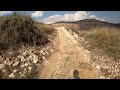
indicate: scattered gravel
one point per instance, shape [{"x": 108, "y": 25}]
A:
[{"x": 19, "y": 66}]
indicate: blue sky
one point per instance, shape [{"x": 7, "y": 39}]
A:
[{"x": 54, "y": 16}]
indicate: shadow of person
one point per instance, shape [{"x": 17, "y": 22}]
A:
[{"x": 76, "y": 74}]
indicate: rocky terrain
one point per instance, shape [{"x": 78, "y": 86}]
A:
[{"x": 26, "y": 63}]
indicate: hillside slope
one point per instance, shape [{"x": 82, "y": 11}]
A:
[{"x": 88, "y": 24}]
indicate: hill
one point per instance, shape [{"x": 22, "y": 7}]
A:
[{"x": 88, "y": 24}]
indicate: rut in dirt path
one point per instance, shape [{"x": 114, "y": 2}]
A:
[{"x": 68, "y": 61}]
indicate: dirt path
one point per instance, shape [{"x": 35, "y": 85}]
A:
[{"x": 69, "y": 59}]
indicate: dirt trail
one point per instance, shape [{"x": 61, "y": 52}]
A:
[{"x": 69, "y": 60}]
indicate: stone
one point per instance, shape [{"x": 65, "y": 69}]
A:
[
  {"x": 87, "y": 51},
  {"x": 43, "y": 57},
  {"x": 27, "y": 59},
  {"x": 22, "y": 66},
  {"x": 4, "y": 70},
  {"x": 0, "y": 57},
  {"x": 35, "y": 60},
  {"x": 76, "y": 36},
  {"x": 116, "y": 66},
  {"x": 82, "y": 39},
  {"x": 7, "y": 59},
  {"x": 29, "y": 68},
  {"x": 86, "y": 42},
  {"x": 22, "y": 58},
  {"x": 41, "y": 51},
  {"x": 102, "y": 77},
  {"x": 19, "y": 57},
  {"x": 1, "y": 60},
  {"x": 47, "y": 53},
  {"x": 9, "y": 63},
  {"x": 35, "y": 56},
  {"x": 25, "y": 69},
  {"x": 24, "y": 54},
  {"x": 47, "y": 47},
  {"x": 14, "y": 71},
  {"x": 2, "y": 66},
  {"x": 26, "y": 64},
  {"x": 98, "y": 67},
  {"x": 30, "y": 57},
  {"x": 15, "y": 64},
  {"x": 5, "y": 62},
  {"x": 12, "y": 75},
  {"x": 20, "y": 73},
  {"x": 10, "y": 53},
  {"x": 51, "y": 50}
]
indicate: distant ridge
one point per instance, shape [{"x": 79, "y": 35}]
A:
[{"x": 87, "y": 24}]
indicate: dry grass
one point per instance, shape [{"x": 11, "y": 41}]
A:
[
  {"x": 46, "y": 29},
  {"x": 107, "y": 39}
]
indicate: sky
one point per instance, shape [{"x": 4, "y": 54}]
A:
[{"x": 55, "y": 16}]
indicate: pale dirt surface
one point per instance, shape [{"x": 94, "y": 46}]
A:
[{"x": 69, "y": 59}]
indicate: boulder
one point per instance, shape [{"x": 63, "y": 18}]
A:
[{"x": 2, "y": 66}]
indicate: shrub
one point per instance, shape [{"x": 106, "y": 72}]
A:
[{"x": 19, "y": 29}]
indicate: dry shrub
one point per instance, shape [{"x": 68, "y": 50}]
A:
[{"x": 19, "y": 29}]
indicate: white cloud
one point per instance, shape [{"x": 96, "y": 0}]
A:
[
  {"x": 4, "y": 12},
  {"x": 37, "y": 14},
  {"x": 79, "y": 15}
]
